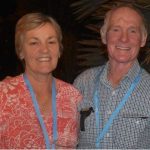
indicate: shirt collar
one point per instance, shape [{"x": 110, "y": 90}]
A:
[{"x": 132, "y": 73}]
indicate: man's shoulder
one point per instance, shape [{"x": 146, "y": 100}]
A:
[
  {"x": 89, "y": 73},
  {"x": 145, "y": 78}
]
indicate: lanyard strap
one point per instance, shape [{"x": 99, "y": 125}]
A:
[
  {"x": 37, "y": 110},
  {"x": 96, "y": 99},
  {"x": 115, "y": 112},
  {"x": 54, "y": 112},
  {"x": 97, "y": 109}
]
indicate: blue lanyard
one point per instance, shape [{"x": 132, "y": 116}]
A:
[
  {"x": 37, "y": 110},
  {"x": 115, "y": 112}
]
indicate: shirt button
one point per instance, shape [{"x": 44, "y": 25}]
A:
[
  {"x": 137, "y": 122},
  {"x": 109, "y": 112},
  {"x": 113, "y": 93}
]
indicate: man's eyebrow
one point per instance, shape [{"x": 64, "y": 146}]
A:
[{"x": 52, "y": 37}]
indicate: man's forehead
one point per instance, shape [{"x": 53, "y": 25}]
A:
[
  {"x": 122, "y": 11},
  {"x": 126, "y": 14}
]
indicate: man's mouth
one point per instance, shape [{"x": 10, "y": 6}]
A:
[{"x": 123, "y": 48}]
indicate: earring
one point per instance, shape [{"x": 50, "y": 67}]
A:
[{"x": 21, "y": 57}]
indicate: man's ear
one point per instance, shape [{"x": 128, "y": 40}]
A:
[
  {"x": 103, "y": 35},
  {"x": 59, "y": 55},
  {"x": 143, "y": 41}
]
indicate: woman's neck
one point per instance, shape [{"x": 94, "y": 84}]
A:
[{"x": 42, "y": 87}]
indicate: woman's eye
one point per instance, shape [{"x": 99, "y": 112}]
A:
[
  {"x": 33, "y": 43},
  {"x": 52, "y": 42}
]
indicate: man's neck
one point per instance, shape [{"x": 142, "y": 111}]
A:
[{"x": 116, "y": 72}]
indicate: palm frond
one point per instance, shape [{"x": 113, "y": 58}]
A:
[
  {"x": 147, "y": 53},
  {"x": 84, "y": 8},
  {"x": 93, "y": 43},
  {"x": 91, "y": 14}
]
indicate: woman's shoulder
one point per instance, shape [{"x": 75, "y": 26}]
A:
[
  {"x": 65, "y": 85},
  {"x": 10, "y": 82},
  {"x": 67, "y": 89}
]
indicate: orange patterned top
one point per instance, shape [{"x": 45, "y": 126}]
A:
[{"x": 19, "y": 126}]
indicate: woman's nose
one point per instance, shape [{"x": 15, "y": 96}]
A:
[{"x": 44, "y": 48}]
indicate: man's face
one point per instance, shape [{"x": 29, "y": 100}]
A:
[{"x": 124, "y": 35}]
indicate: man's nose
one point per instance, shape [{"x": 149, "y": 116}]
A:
[{"x": 124, "y": 37}]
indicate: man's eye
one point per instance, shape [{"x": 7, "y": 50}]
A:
[
  {"x": 133, "y": 31},
  {"x": 115, "y": 29}
]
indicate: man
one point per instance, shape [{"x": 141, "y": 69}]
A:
[{"x": 115, "y": 111}]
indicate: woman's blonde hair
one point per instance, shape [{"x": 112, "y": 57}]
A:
[{"x": 31, "y": 21}]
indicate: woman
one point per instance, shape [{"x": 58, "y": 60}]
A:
[{"x": 37, "y": 110}]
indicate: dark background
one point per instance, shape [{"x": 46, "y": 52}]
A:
[
  {"x": 12, "y": 10},
  {"x": 60, "y": 10}
]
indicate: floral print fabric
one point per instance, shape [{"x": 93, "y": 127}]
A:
[{"x": 19, "y": 126}]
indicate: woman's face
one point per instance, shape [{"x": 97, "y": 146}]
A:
[{"x": 40, "y": 49}]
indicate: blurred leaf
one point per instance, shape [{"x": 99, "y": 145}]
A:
[
  {"x": 91, "y": 13},
  {"x": 94, "y": 43}
]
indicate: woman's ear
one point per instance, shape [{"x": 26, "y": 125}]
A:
[{"x": 21, "y": 56}]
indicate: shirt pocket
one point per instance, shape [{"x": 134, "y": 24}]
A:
[
  {"x": 128, "y": 129},
  {"x": 88, "y": 136}
]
